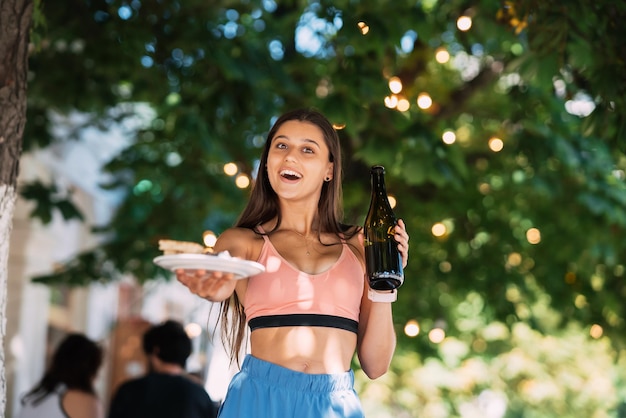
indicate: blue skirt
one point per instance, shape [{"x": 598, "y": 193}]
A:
[{"x": 265, "y": 390}]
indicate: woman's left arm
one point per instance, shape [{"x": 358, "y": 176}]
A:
[{"x": 377, "y": 337}]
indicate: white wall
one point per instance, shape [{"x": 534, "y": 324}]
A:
[{"x": 36, "y": 249}]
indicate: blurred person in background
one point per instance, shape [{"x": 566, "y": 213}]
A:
[
  {"x": 166, "y": 391},
  {"x": 67, "y": 387}
]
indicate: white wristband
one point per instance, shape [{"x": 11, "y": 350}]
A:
[{"x": 381, "y": 296}]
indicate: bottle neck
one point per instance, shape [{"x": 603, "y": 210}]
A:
[{"x": 378, "y": 183}]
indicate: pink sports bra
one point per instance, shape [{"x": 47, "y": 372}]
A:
[{"x": 285, "y": 296}]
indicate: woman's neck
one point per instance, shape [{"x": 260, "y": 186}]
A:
[
  {"x": 302, "y": 218},
  {"x": 300, "y": 226}
]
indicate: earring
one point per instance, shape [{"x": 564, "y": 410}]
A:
[{"x": 327, "y": 179}]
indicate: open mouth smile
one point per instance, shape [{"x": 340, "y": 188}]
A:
[{"x": 290, "y": 175}]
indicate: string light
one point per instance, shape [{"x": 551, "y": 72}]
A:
[
  {"x": 395, "y": 85},
  {"x": 464, "y": 23},
  {"x": 242, "y": 181},
  {"x": 412, "y": 328},
  {"x": 448, "y": 137},
  {"x": 392, "y": 201},
  {"x": 230, "y": 169},
  {"x": 424, "y": 101},
  {"x": 438, "y": 229},
  {"x": 514, "y": 259},
  {"x": 442, "y": 55},
  {"x": 596, "y": 331},
  {"x": 209, "y": 238},
  {"x": 391, "y": 101},
  {"x": 533, "y": 236},
  {"x": 496, "y": 144},
  {"x": 436, "y": 335},
  {"x": 364, "y": 28},
  {"x": 403, "y": 104}
]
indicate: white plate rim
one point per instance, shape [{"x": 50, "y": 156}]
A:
[{"x": 239, "y": 267}]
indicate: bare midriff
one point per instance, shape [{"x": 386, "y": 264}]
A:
[{"x": 313, "y": 350}]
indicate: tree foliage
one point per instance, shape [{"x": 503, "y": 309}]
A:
[{"x": 543, "y": 79}]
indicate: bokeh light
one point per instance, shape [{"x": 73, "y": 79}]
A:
[
  {"x": 580, "y": 301},
  {"x": 230, "y": 169},
  {"x": 395, "y": 85},
  {"x": 570, "y": 277},
  {"x": 442, "y": 55},
  {"x": 209, "y": 238},
  {"x": 496, "y": 144},
  {"x": 403, "y": 104},
  {"x": 411, "y": 328},
  {"x": 424, "y": 101},
  {"x": 464, "y": 23},
  {"x": 596, "y": 331},
  {"x": 436, "y": 335},
  {"x": 448, "y": 137},
  {"x": 363, "y": 27},
  {"x": 242, "y": 181},
  {"x": 193, "y": 330},
  {"x": 533, "y": 236},
  {"x": 514, "y": 260},
  {"x": 445, "y": 267},
  {"x": 439, "y": 229},
  {"x": 391, "y": 101}
]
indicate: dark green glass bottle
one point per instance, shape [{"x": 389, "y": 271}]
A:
[{"x": 382, "y": 259}]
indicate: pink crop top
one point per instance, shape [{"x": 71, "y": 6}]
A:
[{"x": 286, "y": 296}]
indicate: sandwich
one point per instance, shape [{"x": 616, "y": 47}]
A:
[{"x": 170, "y": 246}]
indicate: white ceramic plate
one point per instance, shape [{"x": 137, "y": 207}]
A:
[{"x": 240, "y": 268}]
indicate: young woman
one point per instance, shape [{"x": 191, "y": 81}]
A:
[
  {"x": 66, "y": 389},
  {"x": 312, "y": 308}
]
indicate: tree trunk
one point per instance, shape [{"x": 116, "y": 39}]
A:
[{"x": 15, "y": 23}]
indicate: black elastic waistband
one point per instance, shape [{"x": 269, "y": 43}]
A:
[{"x": 304, "y": 320}]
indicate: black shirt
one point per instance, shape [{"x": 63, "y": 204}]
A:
[{"x": 159, "y": 395}]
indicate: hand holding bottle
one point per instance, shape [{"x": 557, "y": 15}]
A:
[
  {"x": 384, "y": 260},
  {"x": 402, "y": 238}
]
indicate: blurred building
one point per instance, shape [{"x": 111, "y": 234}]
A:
[{"x": 115, "y": 314}]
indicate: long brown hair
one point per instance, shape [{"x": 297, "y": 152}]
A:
[{"x": 263, "y": 206}]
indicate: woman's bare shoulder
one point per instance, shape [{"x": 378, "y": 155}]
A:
[
  {"x": 239, "y": 242},
  {"x": 80, "y": 395},
  {"x": 82, "y": 404},
  {"x": 239, "y": 233}
]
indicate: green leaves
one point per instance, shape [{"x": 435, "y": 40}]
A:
[{"x": 47, "y": 199}]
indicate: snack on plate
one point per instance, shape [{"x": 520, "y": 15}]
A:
[{"x": 170, "y": 246}]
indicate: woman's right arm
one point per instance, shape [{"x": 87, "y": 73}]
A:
[{"x": 217, "y": 286}]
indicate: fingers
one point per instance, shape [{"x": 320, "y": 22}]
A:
[
  {"x": 203, "y": 283},
  {"x": 402, "y": 237}
]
